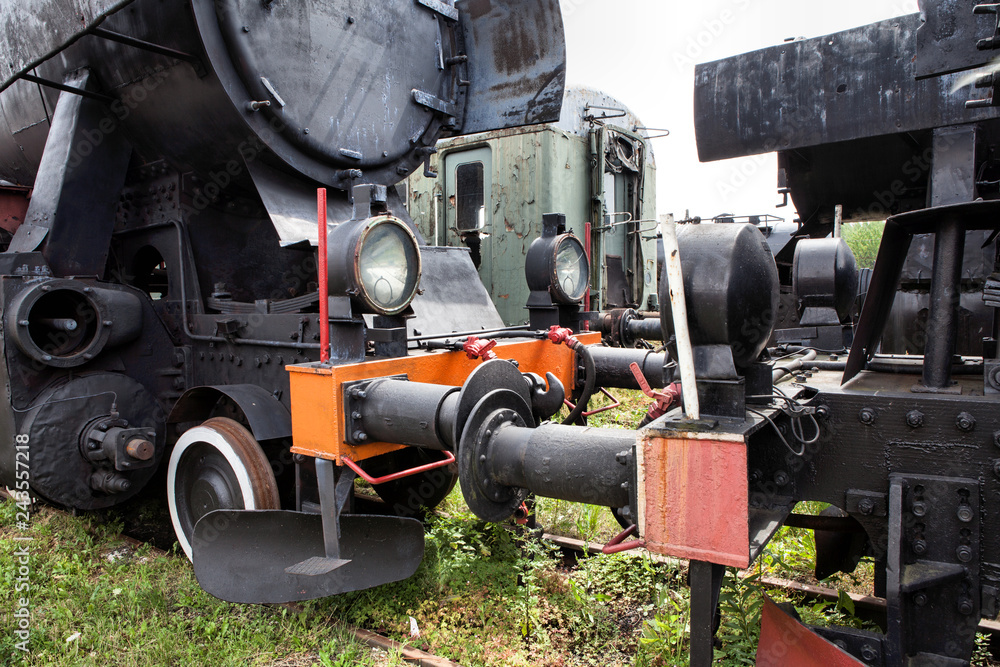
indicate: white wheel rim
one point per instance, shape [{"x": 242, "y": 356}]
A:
[{"x": 207, "y": 435}]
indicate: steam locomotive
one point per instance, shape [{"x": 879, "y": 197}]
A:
[{"x": 167, "y": 169}]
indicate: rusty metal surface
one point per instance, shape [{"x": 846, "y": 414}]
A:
[
  {"x": 13, "y": 207},
  {"x": 43, "y": 28},
  {"x": 519, "y": 75},
  {"x": 693, "y": 496},
  {"x": 784, "y": 641}
]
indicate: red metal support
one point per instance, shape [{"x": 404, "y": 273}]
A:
[
  {"x": 587, "y": 249},
  {"x": 618, "y": 543},
  {"x": 324, "y": 295},
  {"x": 615, "y": 404},
  {"x": 448, "y": 458}
]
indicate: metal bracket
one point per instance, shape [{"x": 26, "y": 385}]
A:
[
  {"x": 442, "y": 8},
  {"x": 434, "y": 103},
  {"x": 329, "y": 486}
]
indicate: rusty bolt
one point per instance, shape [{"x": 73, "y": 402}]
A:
[
  {"x": 866, "y": 506},
  {"x": 140, "y": 449},
  {"x": 919, "y": 508},
  {"x": 965, "y": 606},
  {"x": 914, "y": 418},
  {"x": 919, "y": 547},
  {"x": 920, "y": 599},
  {"x": 964, "y": 553},
  {"x": 867, "y": 416},
  {"x": 781, "y": 478},
  {"x": 964, "y": 513},
  {"x": 965, "y": 422}
]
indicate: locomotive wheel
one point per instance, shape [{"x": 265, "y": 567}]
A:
[{"x": 217, "y": 465}]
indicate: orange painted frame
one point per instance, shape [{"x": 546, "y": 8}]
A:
[
  {"x": 317, "y": 399},
  {"x": 694, "y": 498}
]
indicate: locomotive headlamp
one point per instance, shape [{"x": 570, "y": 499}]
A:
[
  {"x": 558, "y": 264},
  {"x": 375, "y": 261}
]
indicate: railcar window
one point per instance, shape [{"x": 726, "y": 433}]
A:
[{"x": 470, "y": 196}]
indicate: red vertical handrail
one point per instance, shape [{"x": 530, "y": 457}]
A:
[
  {"x": 324, "y": 295},
  {"x": 590, "y": 265}
]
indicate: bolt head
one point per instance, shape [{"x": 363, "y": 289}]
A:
[
  {"x": 964, "y": 513},
  {"x": 781, "y": 478},
  {"x": 867, "y": 506},
  {"x": 919, "y": 508},
  {"x": 919, "y": 547},
  {"x": 868, "y": 653},
  {"x": 867, "y": 416},
  {"x": 964, "y": 553},
  {"x": 920, "y": 599},
  {"x": 965, "y": 422},
  {"x": 965, "y": 606},
  {"x": 915, "y": 419}
]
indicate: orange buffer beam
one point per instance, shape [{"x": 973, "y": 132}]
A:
[{"x": 318, "y": 401}]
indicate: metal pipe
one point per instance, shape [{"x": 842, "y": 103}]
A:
[
  {"x": 942, "y": 321},
  {"x": 324, "y": 286},
  {"x": 612, "y": 365},
  {"x": 647, "y": 329},
  {"x": 781, "y": 371},
  {"x": 578, "y": 464},
  {"x": 678, "y": 308},
  {"x": 466, "y": 334}
]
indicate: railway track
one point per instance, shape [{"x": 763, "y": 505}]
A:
[{"x": 868, "y": 606}]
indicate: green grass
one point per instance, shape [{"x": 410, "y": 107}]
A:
[
  {"x": 95, "y": 600},
  {"x": 863, "y": 239}
]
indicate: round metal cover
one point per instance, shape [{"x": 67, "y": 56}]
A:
[{"x": 340, "y": 78}]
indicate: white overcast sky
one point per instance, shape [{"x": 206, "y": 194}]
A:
[{"x": 643, "y": 53}]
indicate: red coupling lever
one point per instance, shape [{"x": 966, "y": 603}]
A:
[
  {"x": 559, "y": 334},
  {"x": 663, "y": 400},
  {"x": 476, "y": 348}
]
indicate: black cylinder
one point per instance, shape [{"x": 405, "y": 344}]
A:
[
  {"x": 646, "y": 329},
  {"x": 613, "y": 367},
  {"x": 408, "y": 413},
  {"x": 565, "y": 462},
  {"x": 942, "y": 321},
  {"x": 730, "y": 287}
]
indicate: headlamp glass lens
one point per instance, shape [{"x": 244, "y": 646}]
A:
[
  {"x": 572, "y": 272},
  {"x": 387, "y": 264}
]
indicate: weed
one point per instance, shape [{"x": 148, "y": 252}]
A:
[{"x": 864, "y": 239}]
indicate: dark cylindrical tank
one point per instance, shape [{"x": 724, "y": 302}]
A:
[
  {"x": 730, "y": 287},
  {"x": 824, "y": 280}
]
